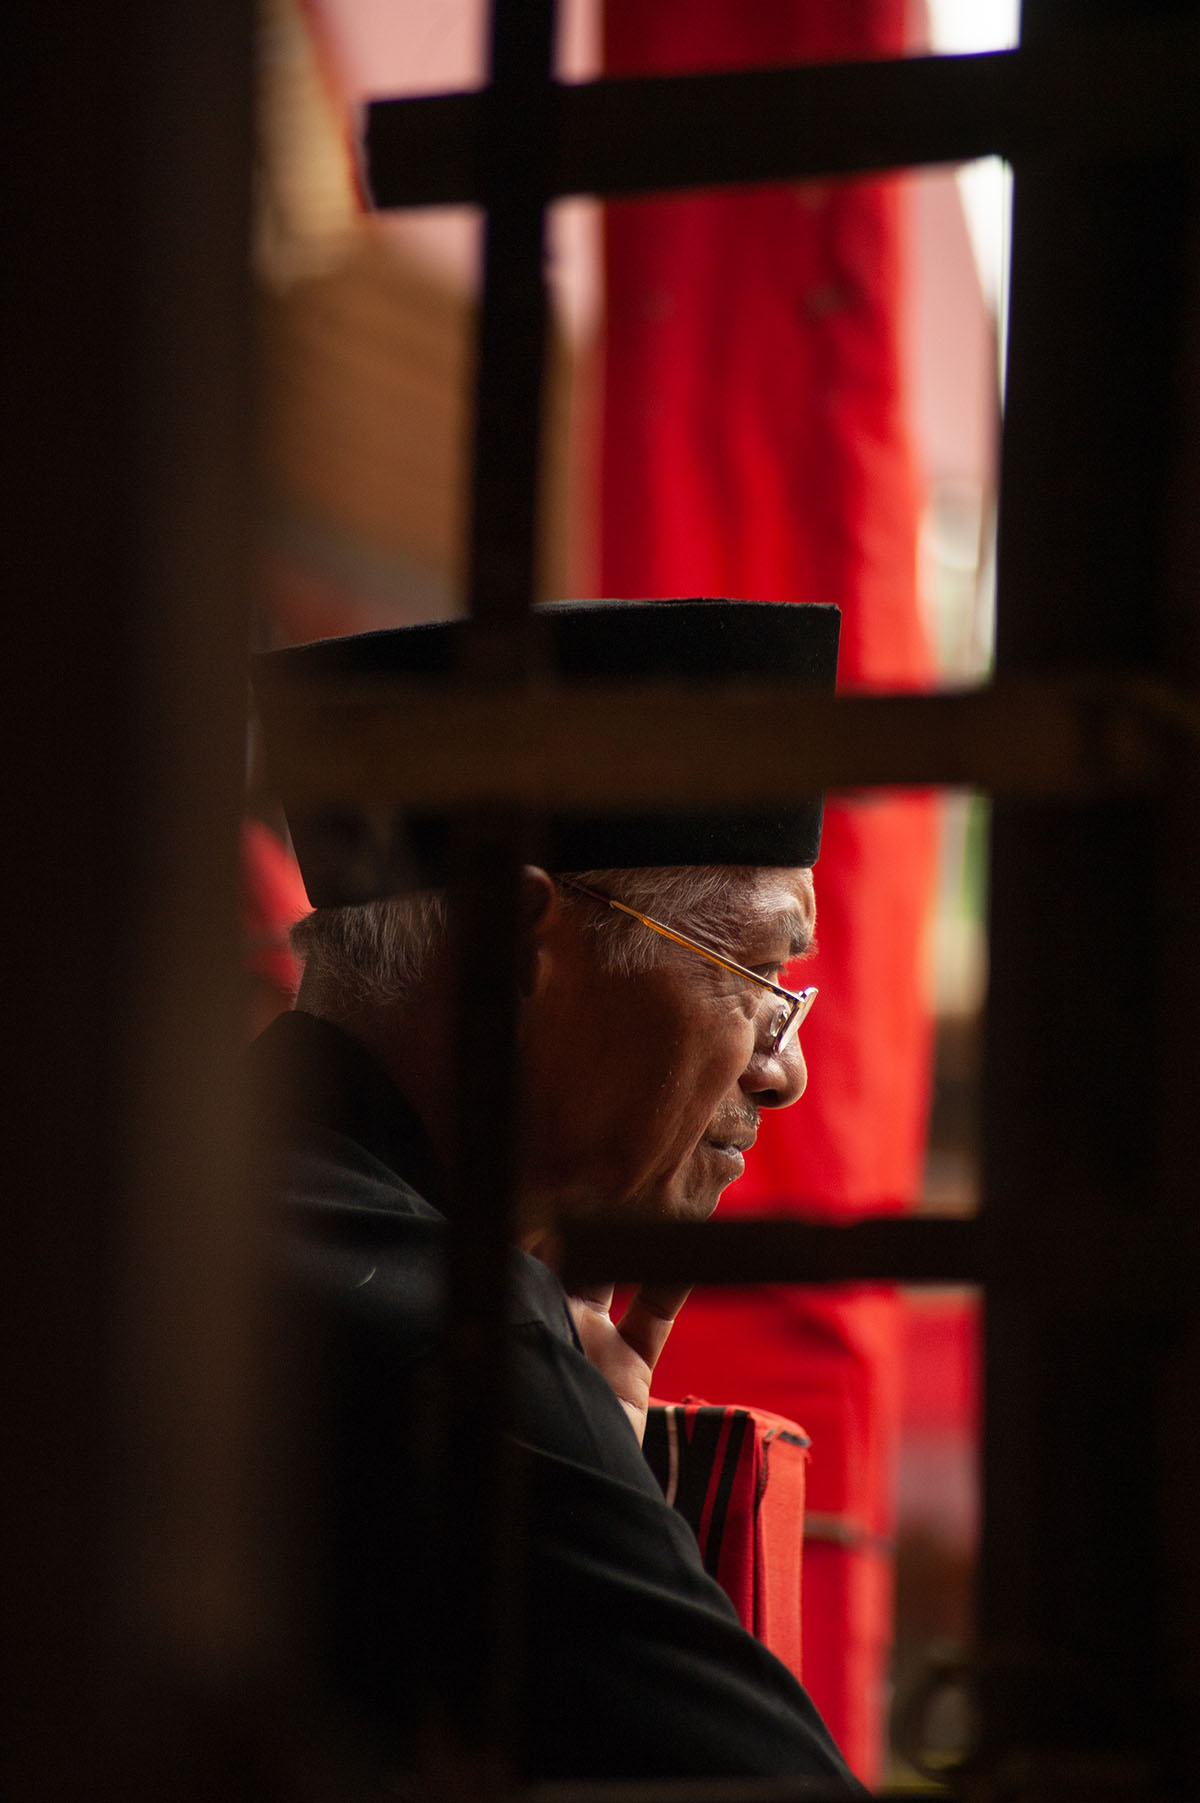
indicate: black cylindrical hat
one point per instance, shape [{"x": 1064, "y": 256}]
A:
[{"x": 346, "y": 856}]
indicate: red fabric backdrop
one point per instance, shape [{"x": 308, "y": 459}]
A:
[{"x": 756, "y": 442}]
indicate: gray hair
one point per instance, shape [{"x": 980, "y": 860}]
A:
[{"x": 379, "y": 951}]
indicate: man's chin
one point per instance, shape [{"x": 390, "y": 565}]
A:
[
  {"x": 721, "y": 1165},
  {"x": 691, "y": 1193},
  {"x": 714, "y": 1169}
]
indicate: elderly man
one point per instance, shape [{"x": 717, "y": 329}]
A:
[{"x": 656, "y": 1023}]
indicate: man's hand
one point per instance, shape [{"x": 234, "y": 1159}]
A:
[{"x": 626, "y": 1351}]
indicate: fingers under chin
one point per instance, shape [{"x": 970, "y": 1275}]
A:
[
  {"x": 597, "y": 1297},
  {"x": 661, "y": 1300}
]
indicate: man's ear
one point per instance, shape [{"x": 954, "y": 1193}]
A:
[{"x": 541, "y": 914}]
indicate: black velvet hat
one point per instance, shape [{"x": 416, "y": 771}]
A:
[{"x": 345, "y": 857}]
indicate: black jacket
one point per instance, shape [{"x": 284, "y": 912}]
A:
[{"x": 635, "y": 1664}]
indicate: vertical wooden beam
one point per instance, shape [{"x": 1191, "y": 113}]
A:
[
  {"x": 510, "y": 354},
  {"x": 1177, "y": 933},
  {"x": 480, "y": 1550},
  {"x": 128, "y": 1605},
  {"x": 1073, "y": 1592}
]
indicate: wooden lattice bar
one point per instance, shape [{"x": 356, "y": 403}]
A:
[{"x": 1119, "y": 91}]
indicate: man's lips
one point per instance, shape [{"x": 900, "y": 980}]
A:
[{"x": 732, "y": 1142}]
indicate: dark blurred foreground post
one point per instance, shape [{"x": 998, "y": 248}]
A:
[
  {"x": 478, "y": 1640},
  {"x": 133, "y": 1613},
  {"x": 1089, "y": 1580}
]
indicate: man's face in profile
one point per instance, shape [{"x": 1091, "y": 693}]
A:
[{"x": 645, "y": 1090}]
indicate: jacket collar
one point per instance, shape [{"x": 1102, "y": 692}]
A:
[{"x": 319, "y": 1074}]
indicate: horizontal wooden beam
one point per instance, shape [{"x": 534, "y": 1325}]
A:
[
  {"x": 1073, "y": 1260},
  {"x": 590, "y": 747},
  {"x": 1077, "y": 1257},
  {"x": 914, "y": 1249},
  {"x": 1107, "y": 92}
]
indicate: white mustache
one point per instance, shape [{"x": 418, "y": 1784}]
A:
[{"x": 739, "y": 1130}]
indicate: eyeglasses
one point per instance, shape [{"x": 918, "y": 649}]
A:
[{"x": 793, "y": 1005}]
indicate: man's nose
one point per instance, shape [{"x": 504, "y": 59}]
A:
[{"x": 775, "y": 1079}]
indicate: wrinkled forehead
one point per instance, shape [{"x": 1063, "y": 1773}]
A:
[{"x": 781, "y": 903}]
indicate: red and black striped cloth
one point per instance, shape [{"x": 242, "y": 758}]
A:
[{"x": 737, "y": 1477}]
